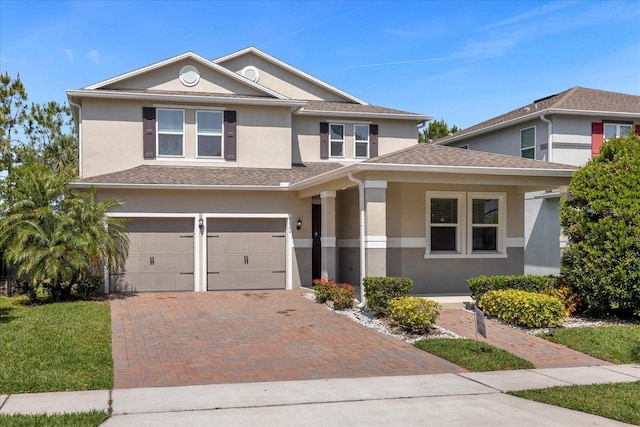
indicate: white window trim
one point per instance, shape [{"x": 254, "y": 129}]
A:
[
  {"x": 355, "y": 142},
  {"x": 170, "y": 133},
  {"x": 460, "y": 228},
  {"x": 331, "y": 140},
  {"x": 221, "y": 156},
  {"x": 464, "y": 232},
  {"x": 534, "y": 142},
  {"x": 501, "y": 226}
]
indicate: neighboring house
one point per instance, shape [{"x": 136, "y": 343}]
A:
[
  {"x": 568, "y": 128},
  {"x": 247, "y": 173}
]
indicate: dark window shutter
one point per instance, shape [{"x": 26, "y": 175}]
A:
[
  {"x": 373, "y": 141},
  {"x": 324, "y": 140},
  {"x": 149, "y": 132},
  {"x": 597, "y": 131},
  {"x": 637, "y": 129},
  {"x": 230, "y": 135}
]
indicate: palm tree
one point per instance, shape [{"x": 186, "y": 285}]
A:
[{"x": 56, "y": 238}]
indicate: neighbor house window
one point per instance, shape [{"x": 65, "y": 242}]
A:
[
  {"x": 361, "y": 139},
  {"x": 467, "y": 224},
  {"x": 170, "y": 133},
  {"x": 209, "y": 133},
  {"x": 336, "y": 140},
  {"x": 613, "y": 130},
  {"x": 528, "y": 143}
]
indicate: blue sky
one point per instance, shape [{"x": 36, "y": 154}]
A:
[{"x": 462, "y": 61}]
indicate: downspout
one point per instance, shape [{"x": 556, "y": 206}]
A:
[
  {"x": 363, "y": 259},
  {"x": 549, "y": 136},
  {"x": 79, "y": 107}
]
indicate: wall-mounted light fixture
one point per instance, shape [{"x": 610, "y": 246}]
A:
[
  {"x": 299, "y": 224},
  {"x": 201, "y": 225}
]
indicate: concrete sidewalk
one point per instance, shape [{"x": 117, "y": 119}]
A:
[{"x": 453, "y": 399}]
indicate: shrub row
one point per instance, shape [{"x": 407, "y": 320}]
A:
[
  {"x": 524, "y": 282},
  {"x": 529, "y": 309},
  {"x": 379, "y": 291},
  {"x": 342, "y": 294}
]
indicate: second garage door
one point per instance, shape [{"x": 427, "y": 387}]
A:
[{"x": 246, "y": 253}]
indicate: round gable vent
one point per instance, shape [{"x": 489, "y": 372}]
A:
[
  {"x": 250, "y": 72},
  {"x": 189, "y": 75}
]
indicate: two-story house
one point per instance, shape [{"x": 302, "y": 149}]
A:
[
  {"x": 246, "y": 173},
  {"x": 568, "y": 128}
]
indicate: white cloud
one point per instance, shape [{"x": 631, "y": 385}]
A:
[
  {"x": 93, "y": 55},
  {"x": 69, "y": 54},
  {"x": 533, "y": 13}
]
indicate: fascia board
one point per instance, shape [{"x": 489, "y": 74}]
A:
[
  {"x": 186, "y": 55},
  {"x": 416, "y": 117},
  {"x": 290, "y": 68},
  {"x": 536, "y": 115},
  {"x": 120, "y": 186},
  {"x": 106, "y": 94},
  {"x": 476, "y": 170}
]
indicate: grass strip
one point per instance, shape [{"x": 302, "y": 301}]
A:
[
  {"x": 616, "y": 344},
  {"x": 616, "y": 401},
  {"x": 472, "y": 355},
  {"x": 82, "y": 419},
  {"x": 54, "y": 347}
]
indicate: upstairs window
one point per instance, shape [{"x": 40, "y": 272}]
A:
[
  {"x": 614, "y": 130},
  {"x": 209, "y": 133},
  {"x": 170, "y": 133},
  {"x": 528, "y": 143},
  {"x": 336, "y": 140},
  {"x": 361, "y": 140}
]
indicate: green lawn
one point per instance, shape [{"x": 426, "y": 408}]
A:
[
  {"x": 616, "y": 344},
  {"x": 617, "y": 401},
  {"x": 54, "y": 347},
  {"x": 473, "y": 355},
  {"x": 84, "y": 419}
]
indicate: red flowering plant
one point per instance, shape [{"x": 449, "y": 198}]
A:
[
  {"x": 323, "y": 288},
  {"x": 341, "y": 294}
]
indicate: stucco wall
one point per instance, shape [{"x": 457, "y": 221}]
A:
[{"x": 393, "y": 135}]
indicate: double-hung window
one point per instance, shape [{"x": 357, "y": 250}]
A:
[
  {"x": 613, "y": 130},
  {"x": 361, "y": 140},
  {"x": 336, "y": 140},
  {"x": 465, "y": 224},
  {"x": 528, "y": 143},
  {"x": 209, "y": 133},
  {"x": 170, "y": 133}
]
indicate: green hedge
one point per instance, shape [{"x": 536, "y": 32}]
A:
[
  {"x": 380, "y": 290},
  {"x": 530, "y": 309},
  {"x": 524, "y": 282},
  {"x": 414, "y": 313}
]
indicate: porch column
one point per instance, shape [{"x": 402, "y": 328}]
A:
[
  {"x": 564, "y": 240},
  {"x": 375, "y": 217},
  {"x": 328, "y": 234}
]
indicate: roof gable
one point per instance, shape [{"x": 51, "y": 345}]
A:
[
  {"x": 576, "y": 101},
  {"x": 164, "y": 76},
  {"x": 284, "y": 78}
]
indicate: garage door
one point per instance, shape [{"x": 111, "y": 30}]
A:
[
  {"x": 160, "y": 255},
  {"x": 245, "y": 254}
]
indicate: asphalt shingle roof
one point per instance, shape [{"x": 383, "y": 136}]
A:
[
  {"x": 348, "y": 107},
  {"x": 439, "y": 155},
  {"x": 576, "y": 99},
  {"x": 203, "y": 175}
]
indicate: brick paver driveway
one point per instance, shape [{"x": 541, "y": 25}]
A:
[{"x": 170, "y": 339}]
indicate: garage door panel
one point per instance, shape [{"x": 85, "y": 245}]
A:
[
  {"x": 160, "y": 255},
  {"x": 246, "y": 254}
]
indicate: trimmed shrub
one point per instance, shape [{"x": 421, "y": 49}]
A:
[
  {"x": 602, "y": 222},
  {"x": 569, "y": 298},
  {"x": 529, "y": 309},
  {"x": 88, "y": 286},
  {"x": 341, "y": 294},
  {"x": 524, "y": 282},
  {"x": 380, "y": 290},
  {"x": 414, "y": 313}
]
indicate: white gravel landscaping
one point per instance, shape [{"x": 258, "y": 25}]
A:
[{"x": 368, "y": 319}]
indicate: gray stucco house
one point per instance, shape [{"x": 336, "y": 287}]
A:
[
  {"x": 567, "y": 128},
  {"x": 245, "y": 172}
]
